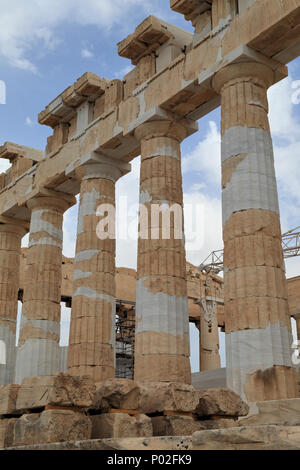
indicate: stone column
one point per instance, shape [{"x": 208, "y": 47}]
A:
[
  {"x": 38, "y": 348},
  {"x": 258, "y": 327},
  {"x": 93, "y": 322},
  {"x": 162, "y": 324},
  {"x": 209, "y": 358},
  {"x": 10, "y": 250}
]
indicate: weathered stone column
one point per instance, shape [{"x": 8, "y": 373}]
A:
[
  {"x": 10, "y": 250},
  {"x": 38, "y": 347},
  {"x": 162, "y": 324},
  {"x": 258, "y": 327},
  {"x": 92, "y": 332},
  {"x": 209, "y": 358}
]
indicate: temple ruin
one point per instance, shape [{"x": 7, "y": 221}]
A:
[{"x": 76, "y": 398}]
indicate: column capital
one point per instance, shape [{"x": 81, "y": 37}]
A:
[
  {"x": 13, "y": 228},
  {"x": 177, "y": 130},
  {"x": 95, "y": 165},
  {"x": 245, "y": 71},
  {"x": 50, "y": 201},
  {"x": 98, "y": 170}
]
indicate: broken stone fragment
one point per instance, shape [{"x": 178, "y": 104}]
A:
[
  {"x": 121, "y": 425},
  {"x": 56, "y": 390},
  {"x": 248, "y": 438},
  {"x": 220, "y": 402},
  {"x": 116, "y": 393},
  {"x": 186, "y": 426},
  {"x": 281, "y": 412},
  {"x": 51, "y": 426},
  {"x": 156, "y": 397},
  {"x": 6, "y": 432},
  {"x": 8, "y": 399}
]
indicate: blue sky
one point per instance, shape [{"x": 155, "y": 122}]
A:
[{"x": 45, "y": 45}]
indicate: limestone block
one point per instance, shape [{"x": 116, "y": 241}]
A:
[
  {"x": 6, "y": 432},
  {"x": 117, "y": 393},
  {"x": 220, "y": 402},
  {"x": 51, "y": 426},
  {"x": 282, "y": 412},
  {"x": 109, "y": 425},
  {"x": 185, "y": 425},
  {"x": 58, "y": 390},
  {"x": 8, "y": 399},
  {"x": 248, "y": 438},
  {"x": 156, "y": 397}
]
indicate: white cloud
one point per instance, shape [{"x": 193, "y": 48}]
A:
[
  {"x": 124, "y": 71},
  {"x": 29, "y": 122},
  {"x": 86, "y": 54},
  {"x": 24, "y": 25},
  {"x": 205, "y": 159}
]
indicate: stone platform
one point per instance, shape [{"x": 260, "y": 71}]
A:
[{"x": 65, "y": 408}]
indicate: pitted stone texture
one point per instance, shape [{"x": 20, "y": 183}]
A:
[
  {"x": 186, "y": 426},
  {"x": 158, "y": 397},
  {"x": 8, "y": 399},
  {"x": 220, "y": 402},
  {"x": 56, "y": 390},
  {"x": 113, "y": 425},
  {"x": 117, "y": 393},
  {"x": 51, "y": 426},
  {"x": 248, "y": 438},
  {"x": 130, "y": 443},
  {"x": 7, "y": 432}
]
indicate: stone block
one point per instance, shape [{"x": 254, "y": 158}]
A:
[
  {"x": 6, "y": 432},
  {"x": 281, "y": 412},
  {"x": 51, "y": 426},
  {"x": 156, "y": 397},
  {"x": 8, "y": 399},
  {"x": 220, "y": 402},
  {"x": 57, "y": 390},
  {"x": 120, "y": 425},
  {"x": 248, "y": 438},
  {"x": 186, "y": 426},
  {"x": 117, "y": 393}
]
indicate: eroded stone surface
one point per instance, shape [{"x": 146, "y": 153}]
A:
[
  {"x": 117, "y": 393},
  {"x": 248, "y": 438},
  {"x": 51, "y": 426},
  {"x": 8, "y": 399},
  {"x": 186, "y": 426},
  {"x": 120, "y": 425},
  {"x": 59, "y": 390},
  {"x": 220, "y": 402},
  {"x": 157, "y": 397}
]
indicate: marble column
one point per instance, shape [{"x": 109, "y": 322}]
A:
[
  {"x": 257, "y": 323},
  {"x": 93, "y": 317},
  {"x": 10, "y": 250},
  {"x": 38, "y": 347},
  {"x": 209, "y": 358},
  {"x": 162, "y": 324}
]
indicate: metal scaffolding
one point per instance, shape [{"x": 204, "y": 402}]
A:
[
  {"x": 125, "y": 335},
  {"x": 290, "y": 246}
]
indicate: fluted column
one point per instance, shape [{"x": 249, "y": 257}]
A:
[
  {"x": 258, "y": 327},
  {"x": 38, "y": 347},
  {"x": 93, "y": 317},
  {"x": 162, "y": 324},
  {"x": 10, "y": 250},
  {"x": 209, "y": 358}
]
